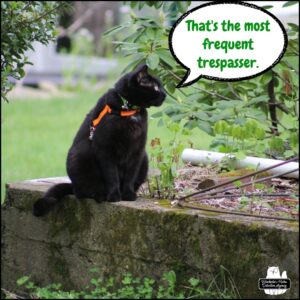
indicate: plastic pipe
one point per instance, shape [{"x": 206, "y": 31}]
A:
[{"x": 196, "y": 157}]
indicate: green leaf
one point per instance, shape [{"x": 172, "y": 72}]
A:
[
  {"x": 260, "y": 186},
  {"x": 170, "y": 277},
  {"x": 177, "y": 117},
  {"x": 94, "y": 270},
  {"x": 113, "y": 30},
  {"x": 160, "y": 123},
  {"x": 133, "y": 4},
  {"x": 294, "y": 26},
  {"x": 156, "y": 115},
  {"x": 224, "y": 114},
  {"x": 152, "y": 61},
  {"x": 223, "y": 104},
  {"x": 21, "y": 72},
  {"x": 23, "y": 280},
  {"x": 194, "y": 282},
  {"x": 260, "y": 99},
  {"x": 289, "y": 153},
  {"x": 277, "y": 144},
  {"x": 290, "y": 3},
  {"x": 240, "y": 155},
  {"x": 236, "y": 131},
  {"x": 127, "y": 280},
  {"x": 206, "y": 127},
  {"x": 266, "y": 78},
  {"x": 201, "y": 115},
  {"x": 248, "y": 85},
  {"x": 191, "y": 124},
  {"x": 150, "y": 33},
  {"x": 171, "y": 87},
  {"x": 267, "y": 6},
  {"x": 244, "y": 200},
  {"x": 294, "y": 139},
  {"x": 222, "y": 127},
  {"x": 133, "y": 64},
  {"x": 260, "y": 133},
  {"x": 166, "y": 57}
]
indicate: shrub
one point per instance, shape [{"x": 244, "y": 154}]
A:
[{"x": 22, "y": 23}]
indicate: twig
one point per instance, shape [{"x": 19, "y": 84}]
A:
[
  {"x": 149, "y": 188},
  {"x": 240, "y": 178},
  {"x": 171, "y": 95},
  {"x": 250, "y": 183},
  {"x": 45, "y": 14},
  {"x": 280, "y": 106},
  {"x": 250, "y": 195},
  {"x": 272, "y": 105},
  {"x": 201, "y": 89},
  {"x": 158, "y": 191},
  {"x": 235, "y": 212},
  {"x": 232, "y": 90},
  {"x": 291, "y": 67},
  {"x": 11, "y": 295}
]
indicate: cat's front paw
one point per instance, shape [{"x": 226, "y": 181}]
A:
[
  {"x": 114, "y": 197},
  {"x": 129, "y": 196}
]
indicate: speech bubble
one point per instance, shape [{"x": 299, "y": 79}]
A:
[{"x": 227, "y": 41}]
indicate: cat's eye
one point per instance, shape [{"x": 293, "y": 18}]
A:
[{"x": 145, "y": 80}]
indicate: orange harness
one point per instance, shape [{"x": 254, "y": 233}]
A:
[{"x": 108, "y": 110}]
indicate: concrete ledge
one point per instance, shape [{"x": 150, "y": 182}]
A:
[{"x": 143, "y": 237}]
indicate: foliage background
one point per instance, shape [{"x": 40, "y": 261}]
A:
[
  {"x": 22, "y": 23},
  {"x": 224, "y": 110}
]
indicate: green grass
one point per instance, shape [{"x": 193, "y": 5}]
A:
[{"x": 36, "y": 135}]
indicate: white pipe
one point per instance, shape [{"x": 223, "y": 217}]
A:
[{"x": 201, "y": 156}]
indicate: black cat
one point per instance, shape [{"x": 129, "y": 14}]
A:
[{"x": 107, "y": 160}]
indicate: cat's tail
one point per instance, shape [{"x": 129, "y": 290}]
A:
[{"x": 52, "y": 196}]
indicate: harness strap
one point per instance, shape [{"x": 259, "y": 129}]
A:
[
  {"x": 127, "y": 113},
  {"x": 104, "y": 111}
]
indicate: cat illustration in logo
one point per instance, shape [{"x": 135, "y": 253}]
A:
[{"x": 273, "y": 272}]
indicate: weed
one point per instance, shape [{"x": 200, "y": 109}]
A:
[{"x": 222, "y": 287}]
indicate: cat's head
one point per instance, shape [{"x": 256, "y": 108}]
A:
[
  {"x": 140, "y": 88},
  {"x": 273, "y": 272}
]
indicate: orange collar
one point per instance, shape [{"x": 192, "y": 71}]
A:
[{"x": 108, "y": 110}]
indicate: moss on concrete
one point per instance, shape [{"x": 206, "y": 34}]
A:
[
  {"x": 238, "y": 245},
  {"x": 58, "y": 268},
  {"x": 142, "y": 237},
  {"x": 70, "y": 214}
]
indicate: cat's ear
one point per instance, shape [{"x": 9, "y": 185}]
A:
[
  {"x": 141, "y": 72},
  {"x": 142, "y": 68}
]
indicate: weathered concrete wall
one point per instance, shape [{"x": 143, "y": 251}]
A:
[{"x": 142, "y": 237}]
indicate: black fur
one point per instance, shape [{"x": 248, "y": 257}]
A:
[{"x": 113, "y": 165}]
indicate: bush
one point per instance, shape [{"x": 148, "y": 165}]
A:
[
  {"x": 270, "y": 99},
  {"x": 22, "y": 23}
]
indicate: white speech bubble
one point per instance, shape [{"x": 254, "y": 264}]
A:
[{"x": 227, "y": 41}]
